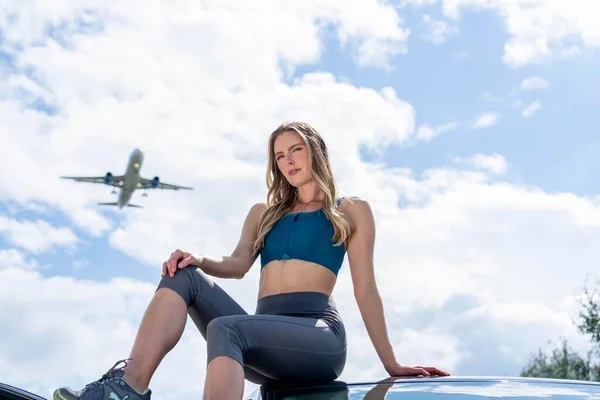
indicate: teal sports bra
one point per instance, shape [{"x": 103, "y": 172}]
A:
[{"x": 304, "y": 236}]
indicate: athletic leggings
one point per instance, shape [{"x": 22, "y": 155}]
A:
[{"x": 293, "y": 337}]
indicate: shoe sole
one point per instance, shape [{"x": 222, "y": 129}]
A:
[{"x": 57, "y": 396}]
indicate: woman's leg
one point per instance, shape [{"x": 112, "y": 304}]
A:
[
  {"x": 159, "y": 331},
  {"x": 307, "y": 346},
  {"x": 294, "y": 337},
  {"x": 224, "y": 380},
  {"x": 189, "y": 291},
  {"x": 279, "y": 347},
  {"x": 275, "y": 347}
]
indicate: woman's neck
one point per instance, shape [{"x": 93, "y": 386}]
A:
[{"x": 307, "y": 194}]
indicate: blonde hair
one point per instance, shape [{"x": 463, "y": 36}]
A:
[{"x": 281, "y": 195}]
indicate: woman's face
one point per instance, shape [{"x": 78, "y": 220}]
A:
[{"x": 292, "y": 158}]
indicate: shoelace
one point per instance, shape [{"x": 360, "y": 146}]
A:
[{"x": 110, "y": 374}]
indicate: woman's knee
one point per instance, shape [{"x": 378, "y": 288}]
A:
[
  {"x": 184, "y": 283},
  {"x": 224, "y": 339},
  {"x": 220, "y": 327}
]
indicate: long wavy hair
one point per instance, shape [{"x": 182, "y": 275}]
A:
[{"x": 281, "y": 196}]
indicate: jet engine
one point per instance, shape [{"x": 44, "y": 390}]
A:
[
  {"x": 108, "y": 178},
  {"x": 155, "y": 182}
]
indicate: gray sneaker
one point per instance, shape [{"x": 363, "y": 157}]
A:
[{"x": 110, "y": 386}]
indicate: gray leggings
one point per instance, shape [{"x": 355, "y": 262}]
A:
[{"x": 293, "y": 337}]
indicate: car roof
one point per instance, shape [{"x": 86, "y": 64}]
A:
[
  {"x": 14, "y": 393},
  {"x": 409, "y": 388},
  {"x": 435, "y": 388}
]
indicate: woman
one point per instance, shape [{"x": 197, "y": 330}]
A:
[{"x": 296, "y": 334}]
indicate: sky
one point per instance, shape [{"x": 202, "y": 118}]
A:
[{"x": 470, "y": 127}]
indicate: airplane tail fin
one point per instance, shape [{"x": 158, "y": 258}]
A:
[{"x": 116, "y": 204}]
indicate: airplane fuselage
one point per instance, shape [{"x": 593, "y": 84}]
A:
[
  {"x": 129, "y": 182},
  {"x": 132, "y": 177}
]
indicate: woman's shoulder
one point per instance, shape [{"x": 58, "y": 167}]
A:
[
  {"x": 350, "y": 203},
  {"x": 357, "y": 212},
  {"x": 355, "y": 207},
  {"x": 256, "y": 211},
  {"x": 259, "y": 207}
]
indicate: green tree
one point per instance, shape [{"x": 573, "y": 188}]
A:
[
  {"x": 589, "y": 316},
  {"x": 564, "y": 362}
]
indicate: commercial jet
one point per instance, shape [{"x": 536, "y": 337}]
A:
[{"x": 129, "y": 182}]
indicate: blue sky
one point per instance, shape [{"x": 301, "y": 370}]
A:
[
  {"x": 491, "y": 233},
  {"x": 555, "y": 150}
]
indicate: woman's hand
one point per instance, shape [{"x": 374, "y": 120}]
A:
[
  {"x": 401, "y": 370},
  {"x": 179, "y": 259}
]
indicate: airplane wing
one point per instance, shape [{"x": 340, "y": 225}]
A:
[
  {"x": 157, "y": 184},
  {"x": 116, "y": 181}
]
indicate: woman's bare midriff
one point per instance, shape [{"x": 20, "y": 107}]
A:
[{"x": 285, "y": 276}]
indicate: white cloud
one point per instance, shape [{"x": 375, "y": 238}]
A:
[
  {"x": 418, "y": 3},
  {"x": 70, "y": 332},
  {"x": 438, "y": 31},
  {"x": 289, "y": 32},
  {"x": 485, "y": 120},
  {"x": 489, "y": 97},
  {"x": 378, "y": 53},
  {"x": 427, "y": 133},
  {"x": 534, "y": 83},
  {"x": 163, "y": 86},
  {"x": 495, "y": 163},
  {"x": 539, "y": 29},
  {"x": 36, "y": 236},
  {"x": 13, "y": 258},
  {"x": 474, "y": 238},
  {"x": 532, "y": 108}
]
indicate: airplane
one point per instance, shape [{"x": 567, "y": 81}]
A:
[{"x": 129, "y": 182}]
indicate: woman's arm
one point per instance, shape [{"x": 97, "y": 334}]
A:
[
  {"x": 235, "y": 265},
  {"x": 360, "y": 257}
]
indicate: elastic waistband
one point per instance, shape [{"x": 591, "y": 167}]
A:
[{"x": 298, "y": 303}]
